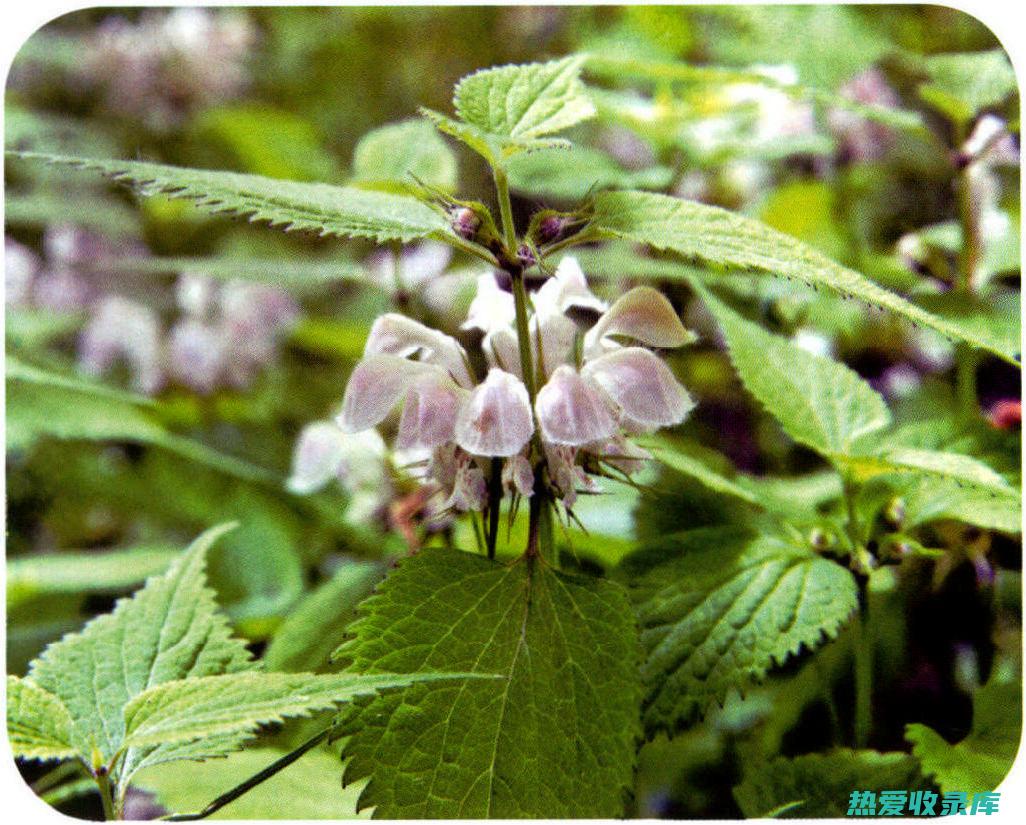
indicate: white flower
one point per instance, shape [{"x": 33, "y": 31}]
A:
[
  {"x": 496, "y": 418},
  {"x": 122, "y": 330},
  {"x": 20, "y": 267},
  {"x": 197, "y": 356}
]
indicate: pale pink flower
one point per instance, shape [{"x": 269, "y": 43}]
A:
[{"x": 123, "y": 331}]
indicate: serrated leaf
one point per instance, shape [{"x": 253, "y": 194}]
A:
[
  {"x": 399, "y": 154},
  {"x": 963, "y": 84},
  {"x": 981, "y": 760},
  {"x": 571, "y": 174},
  {"x": 929, "y": 499},
  {"x": 524, "y": 102},
  {"x": 820, "y": 403},
  {"x": 307, "y": 789},
  {"x": 720, "y": 238},
  {"x": 664, "y": 451},
  {"x": 820, "y": 784},
  {"x": 38, "y": 724},
  {"x": 718, "y": 607},
  {"x": 169, "y": 630},
  {"x": 947, "y": 466},
  {"x": 227, "y": 709},
  {"x": 556, "y": 739},
  {"x": 292, "y": 205}
]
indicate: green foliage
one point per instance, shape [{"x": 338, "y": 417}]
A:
[
  {"x": 679, "y": 461},
  {"x": 45, "y": 404},
  {"x": 820, "y": 403},
  {"x": 556, "y": 737},
  {"x": 38, "y": 724},
  {"x": 981, "y": 760},
  {"x": 315, "y": 627},
  {"x": 510, "y": 109},
  {"x": 719, "y": 606},
  {"x": 820, "y": 784},
  {"x": 718, "y": 238},
  {"x": 962, "y": 85},
  {"x": 64, "y": 574},
  {"x": 398, "y": 155},
  {"x": 223, "y": 711},
  {"x": 290, "y": 205},
  {"x": 570, "y": 174}
]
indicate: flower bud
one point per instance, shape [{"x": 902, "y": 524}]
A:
[
  {"x": 525, "y": 256},
  {"x": 464, "y": 222}
]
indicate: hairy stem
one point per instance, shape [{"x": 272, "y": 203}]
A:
[
  {"x": 969, "y": 259},
  {"x": 863, "y": 639},
  {"x": 505, "y": 210},
  {"x": 253, "y": 781},
  {"x": 106, "y": 795}
]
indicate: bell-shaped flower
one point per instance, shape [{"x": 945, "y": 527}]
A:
[
  {"x": 573, "y": 411},
  {"x": 429, "y": 413},
  {"x": 394, "y": 334},
  {"x": 643, "y": 314},
  {"x": 379, "y": 383},
  {"x": 566, "y": 291},
  {"x": 496, "y": 419},
  {"x": 642, "y": 386},
  {"x": 517, "y": 476},
  {"x": 122, "y": 330}
]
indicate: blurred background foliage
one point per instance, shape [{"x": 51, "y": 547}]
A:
[{"x": 746, "y": 107}]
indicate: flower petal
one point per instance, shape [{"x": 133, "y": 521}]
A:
[
  {"x": 643, "y": 314},
  {"x": 429, "y": 413},
  {"x": 571, "y": 411},
  {"x": 555, "y": 342},
  {"x": 496, "y": 419},
  {"x": 492, "y": 308},
  {"x": 567, "y": 289},
  {"x": 394, "y": 334},
  {"x": 317, "y": 458},
  {"x": 502, "y": 351},
  {"x": 376, "y": 386},
  {"x": 642, "y": 386}
]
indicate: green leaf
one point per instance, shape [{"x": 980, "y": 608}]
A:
[
  {"x": 397, "y": 155},
  {"x": 227, "y": 709},
  {"x": 33, "y": 329},
  {"x": 307, "y": 789},
  {"x": 665, "y": 452},
  {"x": 525, "y": 102},
  {"x": 716, "y": 237},
  {"x": 946, "y": 466},
  {"x": 291, "y": 205},
  {"x": 38, "y": 724},
  {"x": 820, "y": 403},
  {"x": 42, "y": 403},
  {"x": 555, "y": 739},
  {"x": 962, "y": 85},
  {"x": 169, "y": 630},
  {"x": 316, "y": 626},
  {"x": 930, "y": 499},
  {"x": 719, "y": 606},
  {"x": 820, "y": 784},
  {"x": 981, "y": 760},
  {"x": 88, "y": 210},
  {"x": 93, "y": 572},
  {"x": 570, "y": 174}
]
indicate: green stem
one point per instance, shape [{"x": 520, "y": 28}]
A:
[
  {"x": 253, "y": 781},
  {"x": 970, "y": 257},
  {"x": 863, "y": 639},
  {"x": 106, "y": 796},
  {"x": 505, "y": 210},
  {"x": 523, "y": 334}
]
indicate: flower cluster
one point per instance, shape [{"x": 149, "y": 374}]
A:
[
  {"x": 593, "y": 389},
  {"x": 168, "y": 64}
]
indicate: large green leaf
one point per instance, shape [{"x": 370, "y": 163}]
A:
[
  {"x": 716, "y": 237},
  {"x": 719, "y": 606},
  {"x": 291, "y": 205},
  {"x": 946, "y": 466},
  {"x": 820, "y": 784},
  {"x": 571, "y": 174},
  {"x": 981, "y": 760},
  {"x": 555, "y": 739},
  {"x": 820, "y": 403}
]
